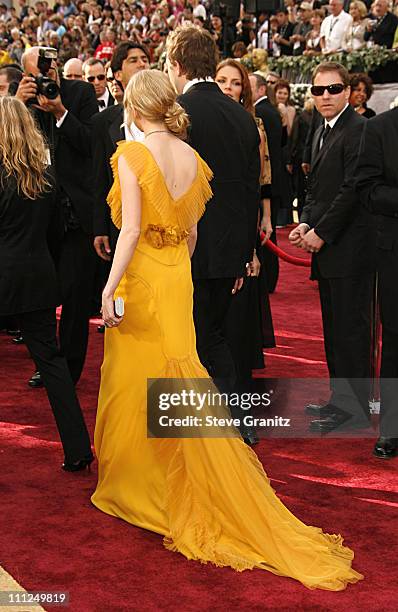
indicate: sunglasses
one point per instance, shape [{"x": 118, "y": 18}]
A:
[
  {"x": 334, "y": 89},
  {"x": 110, "y": 79},
  {"x": 100, "y": 77}
]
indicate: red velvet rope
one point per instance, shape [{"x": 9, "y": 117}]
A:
[{"x": 297, "y": 261}]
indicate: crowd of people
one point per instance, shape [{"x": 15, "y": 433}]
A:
[
  {"x": 179, "y": 229},
  {"x": 92, "y": 29},
  {"x": 83, "y": 119}
]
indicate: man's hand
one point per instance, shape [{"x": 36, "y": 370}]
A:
[
  {"x": 311, "y": 242},
  {"x": 52, "y": 106},
  {"x": 306, "y": 168},
  {"x": 27, "y": 89},
  {"x": 254, "y": 266},
  {"x": 296, "y": 236},
  {"x": 289, "y": 168},
  {"x": 238, "y": 285},
  {"x": 102, "y": 247}
]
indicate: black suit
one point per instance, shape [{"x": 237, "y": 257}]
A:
[
  {"x": 273, "y": 127},
  {"x": 384, "y": 32},
  {"x": 107, "y": 131},
  {"x": 343, "y": 266},
  {"x": 28, "y": 290},
  {"x": 71, "y": 154},
  {"x": 377, "y": 184},
  {"x": 226, "y": 136}
]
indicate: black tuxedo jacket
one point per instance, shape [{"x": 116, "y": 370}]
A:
[
  {"x": 332, "y": 206},
  {"x": 107, "y": 131},
  {"x": 384, "y": 34},
  {"x": 70, "y": 146},
  {"x": 273, "y": 127},
  {"x": 226, "y": 137},
  {"x": 377, "y": 185},
  {"x": 27, "y": 277}
]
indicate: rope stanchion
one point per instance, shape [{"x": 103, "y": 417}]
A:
[{"x": 297, "y": 261}]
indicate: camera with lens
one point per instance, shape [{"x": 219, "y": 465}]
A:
[{"x": 46, "y": 86}]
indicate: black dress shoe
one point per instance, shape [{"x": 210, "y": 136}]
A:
[
  {"x": 13, "y": 332},
  {"x": 101, "y": 329},
  {"x": 249, "y": 436},
  {"x": 78, "y": 466},
  {"x": 386, "y": 448},
  {"x": 18, "y": 340},
  {"x": 319, "y": 410},
  {"x": 338, "y": 423},
  {"x": 35, "y": 381}
]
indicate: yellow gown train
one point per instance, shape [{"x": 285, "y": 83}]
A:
[{"x": 209, "y": 498}]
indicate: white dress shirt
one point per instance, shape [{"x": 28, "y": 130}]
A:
[
  {"x": 194, "y": 81},
  {"x": 105, "y": 98},
  {"x": 334, "y": 30},
  {"x": 260, "y": 100},
  {"x": 132, "y": 133}
]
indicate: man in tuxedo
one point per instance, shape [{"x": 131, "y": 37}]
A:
[
  {"x": 337, "y": 231},
  {"x": 273, "y": 127},
  {"x": 226, "y": 136},
  {"x": 377, "y": 185},
  {"x": 94, "y": 73},
  {"x": 382, "y": 30},
  {"x": 108, "y": 129},
  {"x": 65, "y": 121}
]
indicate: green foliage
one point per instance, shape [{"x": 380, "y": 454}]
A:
[{"x": 299, "y": 68}]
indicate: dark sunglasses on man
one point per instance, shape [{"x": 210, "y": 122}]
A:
[
  {"x": 334, "y": 89},
  {"x": 99, "y": 77}
]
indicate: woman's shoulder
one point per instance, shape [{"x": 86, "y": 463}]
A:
[{"x": 136, "y": 155}]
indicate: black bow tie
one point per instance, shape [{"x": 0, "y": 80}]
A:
[{"x": 101, "y": 103}]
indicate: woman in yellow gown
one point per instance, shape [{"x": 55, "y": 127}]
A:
[{"x": 209, "y": 498}]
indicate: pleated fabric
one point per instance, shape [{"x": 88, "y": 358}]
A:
[{"x": 209, "y": 497}]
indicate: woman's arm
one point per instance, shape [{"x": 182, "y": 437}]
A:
[
  {"x": 127, "y": 241},
  {"x": 191, "y": 240}
]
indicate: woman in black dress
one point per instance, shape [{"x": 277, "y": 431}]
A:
[
  {"x": 27, "y": 278},
  {"x": 249, "y": 327}
]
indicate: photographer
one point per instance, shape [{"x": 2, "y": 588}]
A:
[{"x": 63, "y": 110}]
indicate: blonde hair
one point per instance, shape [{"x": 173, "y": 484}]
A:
[
  {"x": 23, "y": 153},
  {"x": 151, "y": 94},
  {"x": 361, "y": 6}
]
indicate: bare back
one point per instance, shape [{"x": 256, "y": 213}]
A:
[{"x": 176, "y": 161}]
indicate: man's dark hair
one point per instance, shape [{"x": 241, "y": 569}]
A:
[
  {"x": 92, "y": 61},
  {"x": 121, "y": 52},
  {"x": 260, "y": 80},
  {"x": 360, "y": 77},
  {"x": 13, "y": 75},
  {"x": 333, "y": 67}
]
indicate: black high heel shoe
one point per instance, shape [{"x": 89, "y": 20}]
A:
[{"x": 78, "y": 466}]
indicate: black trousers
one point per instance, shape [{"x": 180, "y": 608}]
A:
[
  {"x": 212, "y": 298},
  {"x": 76, "y": 270},
  {"x": 346, "y": 308},
  {"x": 388, "y": 290},
  {"x": 39, "y": 331}
]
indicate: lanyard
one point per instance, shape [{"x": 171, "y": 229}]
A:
[{"x": 332, "y": 24}]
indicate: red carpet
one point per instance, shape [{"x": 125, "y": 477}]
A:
[{"x": 51, "y": 538}]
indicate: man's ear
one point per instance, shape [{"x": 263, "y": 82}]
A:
[
  {"x": 118, "y": 75},
  {"x": 180, "y": 71}
]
